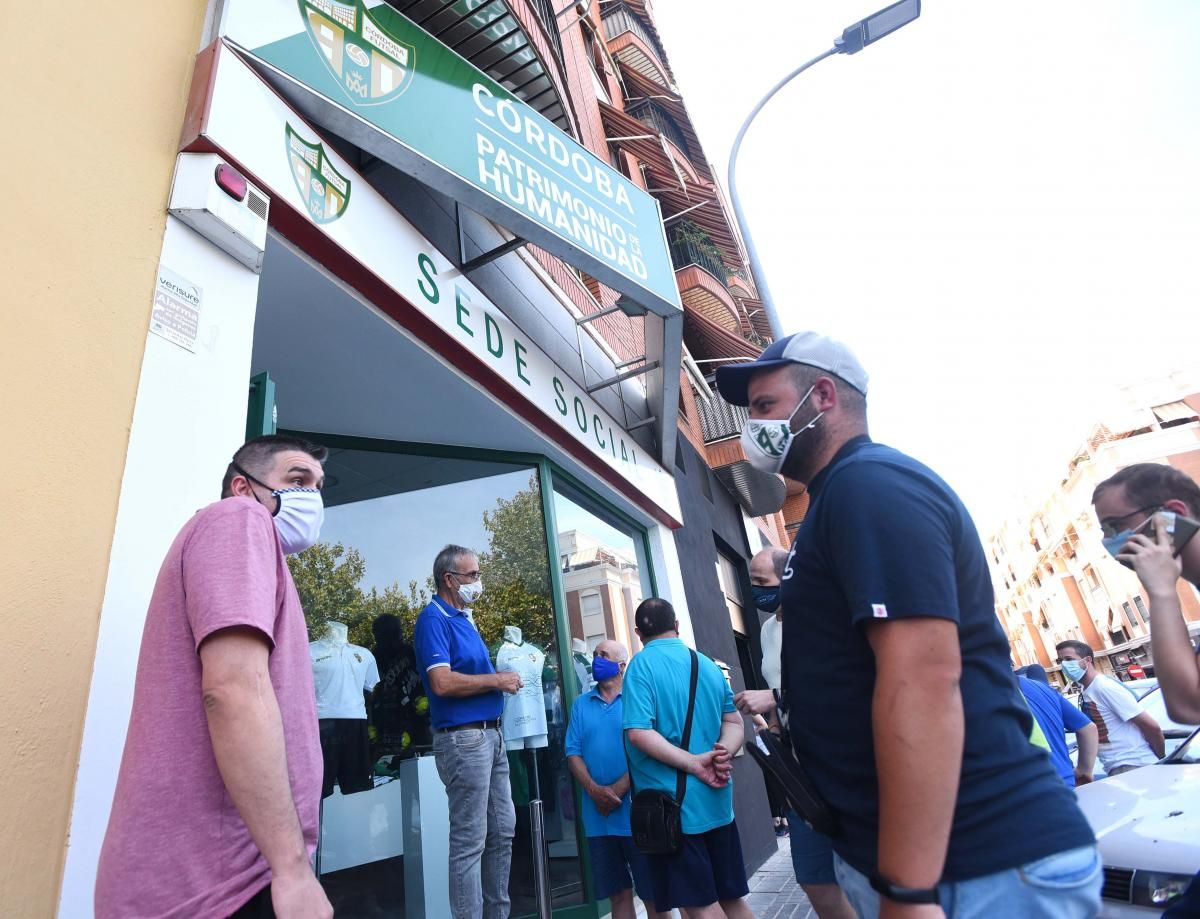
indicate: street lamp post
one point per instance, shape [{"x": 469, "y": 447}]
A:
[{"x": 854, "y": 39}]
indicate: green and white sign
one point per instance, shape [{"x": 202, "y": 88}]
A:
[
  {"x": 325, "y": 191},
  {"x": 245, "y": 121},
  {"x": 364, "y": 71}
]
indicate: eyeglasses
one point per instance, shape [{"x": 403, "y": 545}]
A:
[
  {"x": 469, "y": 575},
  {"x": 1111, "y": 526}
]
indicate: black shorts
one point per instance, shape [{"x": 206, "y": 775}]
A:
[
  {"x": 346, "y": 749},
  {"x": 708, "y": 869},
  {"x": 258, "y": 906}
]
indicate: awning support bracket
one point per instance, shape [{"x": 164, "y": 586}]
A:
[
  {"x": 624, "y": 375},
  {"x": 467, "y": 265}
]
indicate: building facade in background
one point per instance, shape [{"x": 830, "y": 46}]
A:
[
  {"x": 1053, "y": 578},
  {"x": 477, "y": 250}
]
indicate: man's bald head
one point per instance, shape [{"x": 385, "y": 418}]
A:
[
  {"x": 613, "y": 650},
  {"x": 767, "y": 566}
]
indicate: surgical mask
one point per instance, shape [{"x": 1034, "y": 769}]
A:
[
  {"x": 604, "y": 669},
  {"x": 1116, "y": 542},
  {"x": 472, "y": 591},
  {"x": 299, "y": 518},
  {"x": 766, "y": 598},
  {"x": 766, "y": 441},
  {"x": 1074, "y": 670},
  {"x": 298, "y": 514}
]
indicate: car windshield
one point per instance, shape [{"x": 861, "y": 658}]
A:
[
  {"x": 1153, "y": 703},
  {"x": 1188, "y": 752}
]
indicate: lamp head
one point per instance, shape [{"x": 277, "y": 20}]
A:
[{"x": 877, "y": 25}]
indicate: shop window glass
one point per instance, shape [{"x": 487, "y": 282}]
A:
[
  {"x": 727, "y": 574},
  {"x": 602, "y": 577},
  {"x": 387, "y": 516}
]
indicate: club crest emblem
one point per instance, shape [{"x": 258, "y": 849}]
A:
[
  {"x": 325, "y": 191},
  {"x": 772, "y": 438},
  {"x": 370, "y": 64}
]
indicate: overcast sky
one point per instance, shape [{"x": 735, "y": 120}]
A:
[{"x": 996, "y": 207}]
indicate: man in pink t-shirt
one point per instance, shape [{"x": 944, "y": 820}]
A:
[{"x": 216, "y": 806}]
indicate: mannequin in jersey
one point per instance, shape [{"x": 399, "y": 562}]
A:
[
  {"x": 582, "y": 663},
  {"x": 524, "y": 718},
  {"x": 342, "y": 674}
]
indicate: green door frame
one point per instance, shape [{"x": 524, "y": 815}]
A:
[{"x": 549, "y": 474}]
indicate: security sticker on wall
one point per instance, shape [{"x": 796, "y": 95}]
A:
[
  {"x": 176, "y": 313},
  {"x": 879, "y": 610}
]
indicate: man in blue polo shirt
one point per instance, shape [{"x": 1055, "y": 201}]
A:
[
  {"x": 464, "y": 692},
  {"x": 1056, "y": 716},
  {"x": 596, "y": 758},
  {"x": 902, "y": 704},
  {"x": 707, "y": 877}
]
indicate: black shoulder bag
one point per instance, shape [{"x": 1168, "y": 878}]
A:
[{"x": 655, "y": 816}]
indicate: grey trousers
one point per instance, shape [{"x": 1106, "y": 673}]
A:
[{"x": 474, "y": 768}]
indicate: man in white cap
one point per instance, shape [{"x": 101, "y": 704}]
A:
[{"x": 890, "y": 648}]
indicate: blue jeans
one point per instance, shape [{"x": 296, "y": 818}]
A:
[
  {"x": 812, "y": 853},
  {"x": 474, "y": 768},
  {"x": 1065, "y": 885}
]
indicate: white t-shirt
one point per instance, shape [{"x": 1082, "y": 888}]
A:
[
  {"x": 524, "y": 710},
  {"x": 771, "y": 636},
  {"x": 340, "y": 673},
  {"x": 1111, "y": 706}
]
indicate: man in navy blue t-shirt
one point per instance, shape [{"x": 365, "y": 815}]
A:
[
  {"x": 902, "y": 704},
  {"x": 465, "y": 701}
]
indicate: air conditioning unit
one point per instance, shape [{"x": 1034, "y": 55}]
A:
[{"x": 217, "y": 201}]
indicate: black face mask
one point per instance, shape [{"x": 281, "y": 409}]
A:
[{"x": 766, "y": 598}]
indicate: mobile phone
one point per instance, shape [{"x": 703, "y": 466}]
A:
[{"x": 1181, "y": 529}]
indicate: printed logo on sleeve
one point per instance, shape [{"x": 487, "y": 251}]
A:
[{"x": 879, "y": 611}]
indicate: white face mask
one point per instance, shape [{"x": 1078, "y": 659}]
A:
[
  {"x": 472, "y": 591},
  {"x": 299, "y": 518},
  {"x": 298, "y": 515},
  {"x": 766, "y": 441}
]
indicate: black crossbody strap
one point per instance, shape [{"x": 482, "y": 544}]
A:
[{"x": 681, "y": 784}]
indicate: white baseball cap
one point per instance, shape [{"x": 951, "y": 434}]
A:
[{"x": 809, "y": 348}]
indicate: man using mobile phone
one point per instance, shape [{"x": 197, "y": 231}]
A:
[{"x": 1148, "y": 515}]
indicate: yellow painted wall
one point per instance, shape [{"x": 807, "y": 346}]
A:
[{"x": 91, "y": 112}]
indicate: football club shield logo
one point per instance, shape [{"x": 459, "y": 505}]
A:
[
  {"x": 772, "y": 437},
  {"x": 325, "y": 191},
  {"x": 371, "y": 65}
]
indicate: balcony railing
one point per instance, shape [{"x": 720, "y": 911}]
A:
[
  {"x": 719, "y": 420},
  {"x": 654, "y": 117},
  {"x": 685, "y": 252},
  {"x": 545, "y": 12},
  {"x": 618, "y": 19}
]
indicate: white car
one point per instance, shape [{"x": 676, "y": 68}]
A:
[{"x": 1147, "y": 824}]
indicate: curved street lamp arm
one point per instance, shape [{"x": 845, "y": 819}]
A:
[{"x": 760, "y": 278}]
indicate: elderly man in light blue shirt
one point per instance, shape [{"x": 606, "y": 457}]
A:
[{"x": 596, "y": 758}]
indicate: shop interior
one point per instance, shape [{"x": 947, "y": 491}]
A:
[{"x": 419, "y": 458}]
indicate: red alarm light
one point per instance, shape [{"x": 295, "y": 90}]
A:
[{"x": 232, "y": 182}]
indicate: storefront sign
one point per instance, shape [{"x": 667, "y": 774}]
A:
[
  {"x": 249, "y": 123},
  {"x": 438, "y": 117}
]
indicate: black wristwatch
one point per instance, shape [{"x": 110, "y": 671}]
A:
[{"x": 898, "y": 894}]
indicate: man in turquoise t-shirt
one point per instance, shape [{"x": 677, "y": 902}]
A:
[{"x": 707, "y": 877}]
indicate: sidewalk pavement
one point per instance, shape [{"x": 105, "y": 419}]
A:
[{"x": 774, "y": 893}]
